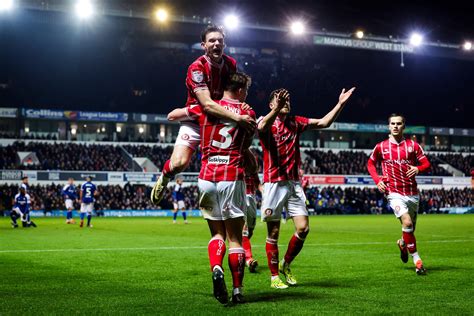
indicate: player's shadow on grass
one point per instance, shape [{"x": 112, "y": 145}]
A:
[
  {"x": 436, "y": 269},
  {"x": 322, "y": 284},
  {"x": 280, "y": 295}
]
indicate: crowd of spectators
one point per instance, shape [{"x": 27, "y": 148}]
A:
[
  {"x": 321, "y": 200},
  {"x": 65, "y": 156},
  {"x": 110, "y": 197},
  {"x": 158, "y": 155},
  {"x": 74, "y": 156},
  {"x": 352, "y": 163},
  {"x": 458, "y": 161}
]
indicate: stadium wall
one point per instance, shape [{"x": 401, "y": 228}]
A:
[
  {"x": 190, "y": 213},
  {"x": 149, "y": 178}
]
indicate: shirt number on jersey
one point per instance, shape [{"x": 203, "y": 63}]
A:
[
  {"x": 88, "y": 192},
  {"x": 225, "y": 133}
]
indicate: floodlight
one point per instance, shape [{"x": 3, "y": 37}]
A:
[
  {"x": 231, "y": 22},
  {"x": 297, "y": 28},
  {"x": 416, "y": 39},
  {"x": 84, "y": 9}
]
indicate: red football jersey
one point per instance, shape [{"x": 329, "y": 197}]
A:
[
  {"x": 251, "y": 183},
  {"x": 395, "y": 159},
  {"x": 205, "y": 74},
  {"x": 222, "y": 143},
  {"x": 281, "y": 149}
]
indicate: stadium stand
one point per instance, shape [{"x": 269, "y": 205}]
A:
[
  {"x": 65, "y": 156},
  {"x": 324, "y": 200},
  {"x": 96, "y": 157}
]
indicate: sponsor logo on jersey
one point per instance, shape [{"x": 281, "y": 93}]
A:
[
  {"x": 197, "y": 76},
  {"x": 220, "y": 160},
  {"x": 398, "y": 162},
  {"x": 283, "y": 138}
]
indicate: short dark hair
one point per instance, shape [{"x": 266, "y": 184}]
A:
[
  {"x": 24, "y": 177},
  {"x": 396, "y": 115},
  {"x": 209, "y": 29},
  {"x": 273, "y": 94},
  {"x": 238, "y": 80}
]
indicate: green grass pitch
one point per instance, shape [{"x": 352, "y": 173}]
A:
[{"x": 349, "y": 265}]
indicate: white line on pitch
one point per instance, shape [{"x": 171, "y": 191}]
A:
[{"x": 204, "y": 247}]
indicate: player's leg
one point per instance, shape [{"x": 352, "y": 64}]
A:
[
  {"x": 69, "y": 207},
  {"x": 183, "y": 211},
  {"x": 175, "y": 211},
  {"x": 294, "y": 247},
  {"x": 271, "y": 248},
  {"x": 68, "y": 216},
  {"x": 29, "y": 222},
  {"x": 216, "y": 247},
  {"x": 14, "y": 215},
  {"x": 236, "y": 258},
  {"x": 275, "y": 196},
  {"x": 299, "y": 213},
  {"x": 89, "y": 209},
  {"x": 216, "y": 250},
  {"x": 250, "y": 221},
  {"x": 82, "y": 214},
  {"x": 231, "y": 200},
  {"x": 71, "y": 219},
  {"x": 284, "y": 215},
  {"x": 185, "y": 145},
  {"x": 408, "y": 226},
  {"x": 24, "y": 220}
]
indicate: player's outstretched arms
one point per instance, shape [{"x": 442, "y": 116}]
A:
[
  {"x": 281, "y": 98},
  {"x": 329, "y": 118},
  {"x": 178, "y": 115},
  {"x": 212, "y": 108}
]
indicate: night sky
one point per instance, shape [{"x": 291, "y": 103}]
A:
[{"x": 48, "y": 62}]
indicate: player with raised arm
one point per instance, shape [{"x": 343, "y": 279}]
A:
[
  {"x": 88, "y": 192},
  {"x": 205, "y": 83},
  {"x": 221, "y": 183},
  {"x": 178, "y": 200},
  {"x": 252, "y": 183},
  {"x": 402, "y": 159},
  {"x": 279, "y": 135},
  {"x": 70, "y": 195}
]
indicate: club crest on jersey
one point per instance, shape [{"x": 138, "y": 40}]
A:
[
  {"x": 197, "y": 76},
  {"x": 410, "y": 149},
  {"x": 185, "y": 137}
]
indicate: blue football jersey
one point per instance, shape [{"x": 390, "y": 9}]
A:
[
  {"x": 178, "y": 194},
  {"x": 69, "y": 191},
  {"x": 22, "y": 202},
  {"x": 88, "y": 189}
]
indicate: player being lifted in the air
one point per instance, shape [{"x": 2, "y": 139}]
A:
[
  {"x": 402, "y": 159},
  {"x": 221, "y": 183},
  {"x": 205, "y": 83},
  {"x": 279, "y": 134}
]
